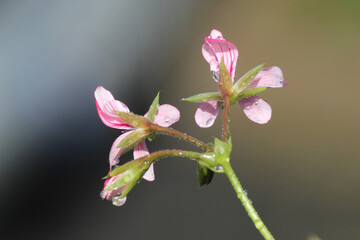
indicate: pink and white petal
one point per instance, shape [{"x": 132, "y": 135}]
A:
[
  {"x": 141, "y": 150},
  {"x": 271, "y": 77},
  {"x": 106, "y": 105},
  {"x": 116, "y": 152},
  {"x": 102, "y": 96},
  {"x": 256, "y": 109},
  {"x": 110, "y": 118},
  {"x": 149, "y": 174},
  {"x": 166, "y": 115},
  {"x": 206, "y": 114},
  {"x": 215, "y": 48}
]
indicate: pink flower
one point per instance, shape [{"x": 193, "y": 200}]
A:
[
  {"x": 106, "y": 105},
  {"x": 216, "y": 48}
]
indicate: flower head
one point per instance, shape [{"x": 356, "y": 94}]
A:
[
  {"x": 216, "y": 49},
  {"x": 107, "y": 107}
]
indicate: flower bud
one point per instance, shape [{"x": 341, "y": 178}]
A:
[{"x": 123, "y": 179}]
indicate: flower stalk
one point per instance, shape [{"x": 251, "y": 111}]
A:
[
  {"x": 226, "y": 119},
  {"x": 246, "y": 202},
  {"x": 183, "y": 136}
]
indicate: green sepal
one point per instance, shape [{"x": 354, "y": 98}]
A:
[
  {"x": 225, "y": 82},
  {"x": 134, "y": 138},
  {"x": 204, "y": 97},
  {"x": 250, "y": 92},
  {"x": 134, "y": 120},
  {"x": 136, "y": 164},
  {"x": 153, "y": 108},
  {"x": 242, "y": 83},
  {"x": 131, "y": 173},
  {"x": 205, "y": 175}
]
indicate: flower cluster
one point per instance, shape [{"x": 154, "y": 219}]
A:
[
  {"x": 108, "y": 109},
  {"x": 222, "y": 56}
]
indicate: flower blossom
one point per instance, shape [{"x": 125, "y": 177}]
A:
[
  {"x": 107, "y": 106},
  {"x": 215, "y": 49}
]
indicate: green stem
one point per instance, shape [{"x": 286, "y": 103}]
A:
[
  {"x": 155, "y": 156},
  {"x": 173, "y": 153},
  {"x": 246, "y": 202},
  {"x": 225, "y": 129},
  {"x": 183, "y": 136}
]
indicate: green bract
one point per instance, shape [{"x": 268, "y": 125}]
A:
[{"x": 204, "y": 174}]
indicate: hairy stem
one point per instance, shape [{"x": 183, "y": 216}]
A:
[
  {"x": 183, "y": 136},
  {"x": 226, "y": 118},
  {"x": 246, "y": 202}
]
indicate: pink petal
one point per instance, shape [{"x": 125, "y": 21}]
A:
[
  {"x": 206, "y": 114},
  {"x": 106, "y": 105},
  {"x": 256, "y": 109},
  {"x": 102, "y": 96},
  {"x": 116, "y": 152},
  {"x": 167, "y": 115},
  {"x": 268, "y": 77},
  {"x": 141, "y": 150},
  {"x": 215, "y": 48}
]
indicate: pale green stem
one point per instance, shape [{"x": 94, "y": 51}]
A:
[{"x": 246, "y": 202}]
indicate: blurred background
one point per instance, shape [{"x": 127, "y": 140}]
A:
[{"x": 301, "y": 170}]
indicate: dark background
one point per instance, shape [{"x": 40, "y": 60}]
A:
[{"x": 301, "y": 170}]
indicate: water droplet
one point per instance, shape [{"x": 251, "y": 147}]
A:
[
  {"x": 180, "y": 153},
  {"x": 209, "y": 121},
  {"x": 245, "y": 192},
  {"x": 117, "y": 201},
  {"x": 256, "y": 103},
  {"x": 218, "y": 168},
  {"x": 127, "y": 178},
  {"x": 167, "y": 119},
  {"x": 215, "y": 76}
]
